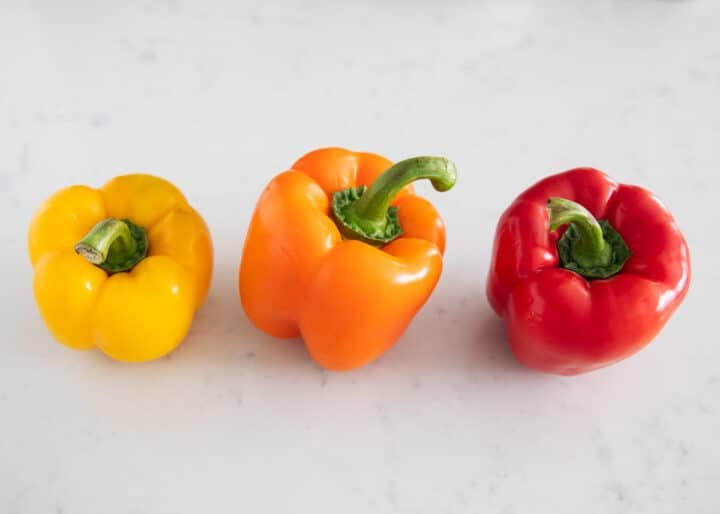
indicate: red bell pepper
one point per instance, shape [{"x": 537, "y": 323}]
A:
[{"x": 577, "y": 294}]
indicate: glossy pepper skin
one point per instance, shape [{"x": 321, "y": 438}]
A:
[
  {"x": 349, "y": 300},
  {"x": 135, "y": 315},
  {"x": 560, "y": 322}
]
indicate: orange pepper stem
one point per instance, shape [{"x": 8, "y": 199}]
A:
[
  {"x": 592, "y": 248},
  {"x": 114, "y": 245},
  {"x": 366, "y": 214}
]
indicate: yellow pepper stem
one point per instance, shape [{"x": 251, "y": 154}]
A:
[{"x": 114, "y": 245}]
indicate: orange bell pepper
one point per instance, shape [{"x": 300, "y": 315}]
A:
[{"x": 344, "y": 266}]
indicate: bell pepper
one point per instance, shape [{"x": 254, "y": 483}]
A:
[
  {"x": 123, "y": 267},
  {"x": 341, "y": 252},
  {"x": 576, "y": 293}
]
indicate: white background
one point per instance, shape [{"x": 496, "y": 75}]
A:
[{"x": 219, "y": 97}]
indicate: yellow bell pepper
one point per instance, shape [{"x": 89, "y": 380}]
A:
[{"x": 124, "y": 267}]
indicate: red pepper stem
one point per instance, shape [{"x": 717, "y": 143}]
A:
[
  {"x": 367, "y": 215},
  {"x": 589, "y": 249},
  {"x": 114, "y": 245}
]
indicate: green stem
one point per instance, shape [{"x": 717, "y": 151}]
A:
[
  {"x": 114, "y": 245},
  {"x": 589, "y": 247},
  {"x": 366, "y": 214}
]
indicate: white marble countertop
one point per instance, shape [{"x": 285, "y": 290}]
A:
[{"x": 220, "y": 96}]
